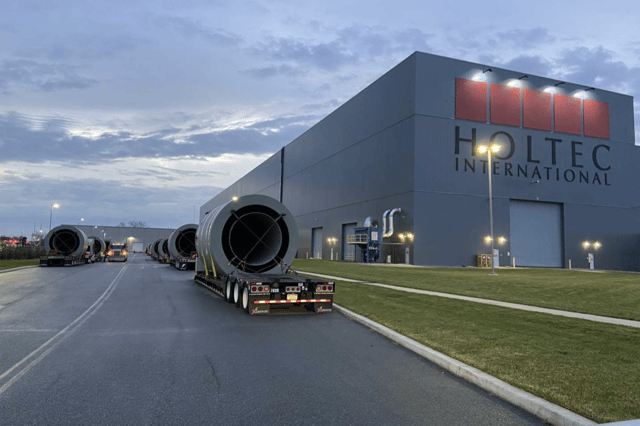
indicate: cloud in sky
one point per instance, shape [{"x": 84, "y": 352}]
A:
[{"x": 127, "y": 104}]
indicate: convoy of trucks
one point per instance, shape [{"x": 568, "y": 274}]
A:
[{"x": 242, "y": 250}]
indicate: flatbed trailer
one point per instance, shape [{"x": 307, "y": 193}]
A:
[
  {"x": 184, "y": 263},
  {"x": 59, "y": 260},
  {"x": 263, "y": 294}
]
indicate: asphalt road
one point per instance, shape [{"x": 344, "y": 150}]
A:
[{"x": 139, "y": 343}]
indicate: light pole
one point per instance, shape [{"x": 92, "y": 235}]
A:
[
  {"x": 591, "y": 257},
  {"x": 489, "y": 149},
  {"x": 332, "y": 241},
  {"x": 80, "y": 220},
  {"x": 53, "y": 206}
]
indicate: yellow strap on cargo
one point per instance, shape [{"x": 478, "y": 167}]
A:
[{"x": 213, "y": 266}]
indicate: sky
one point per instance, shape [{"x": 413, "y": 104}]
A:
[{"x": 127, "y": 110}]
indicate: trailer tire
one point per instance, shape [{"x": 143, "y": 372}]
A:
[
  {"x": 245, "y": 300},
  {"x": 237, "y": 294},
  {"x": 228, "y": 291}
]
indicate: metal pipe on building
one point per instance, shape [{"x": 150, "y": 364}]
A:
[{"x": 388, "y": 216}]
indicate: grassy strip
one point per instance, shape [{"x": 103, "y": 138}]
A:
[
  {"x": 609, "y": 294},
  {"x": 8, "y": 264},
  {"x": 589, "y": 368}
]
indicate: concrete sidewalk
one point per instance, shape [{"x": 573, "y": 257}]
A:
[{"x": 588, "y": 317}]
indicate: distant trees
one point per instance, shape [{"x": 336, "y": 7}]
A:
[
  {"x": 138, "y": 224},
  {"x": 134, "y": 224}
]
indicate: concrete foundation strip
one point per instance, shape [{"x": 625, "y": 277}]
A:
[
  {"x": 588, "y": 317},
  {"x": 545, "y": 410}
]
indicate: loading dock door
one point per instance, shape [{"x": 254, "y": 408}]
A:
[
  {"x": 536, "y": 233},
  {"x": 348, "y": 250},
  {"x": 316, "y": 243}
]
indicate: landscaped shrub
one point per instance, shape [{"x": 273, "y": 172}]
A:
[{"x": 10, "y": 252}]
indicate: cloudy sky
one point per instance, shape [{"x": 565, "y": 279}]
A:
[{"x": 142, "y": 110}]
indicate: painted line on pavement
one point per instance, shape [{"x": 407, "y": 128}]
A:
[
  {"x": 568, "y": 314},
  {"x": 48, "y": 346},
  {"x": 545, "y": 410}
]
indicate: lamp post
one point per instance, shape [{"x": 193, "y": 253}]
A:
[
  {"x": 489, "y": 149},
  {"x": 501, "y": 241},
  {"x": 591, "y": 257},
  {"x": 332, "y": 241},
  {"x": 53, "y": 206}
]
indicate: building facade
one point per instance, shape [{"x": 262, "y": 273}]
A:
[{"x": 566, "y": 172}]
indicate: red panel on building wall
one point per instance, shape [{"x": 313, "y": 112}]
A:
[
  {"x": 596, "y": 119},
  {"x": 567, "y": 114},
  {"x": 471, "y": 100},
  {"x": 536, "y": 111},
  {"x": 505, "y": 105}
]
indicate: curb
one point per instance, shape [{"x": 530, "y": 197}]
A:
[
  {"x": 545, "y": 410},
  {"x": 17, "y": 269}
]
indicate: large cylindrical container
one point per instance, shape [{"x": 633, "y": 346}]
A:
[
  {"x": 98, "y": 245},
  {"x": 182, "y": 241},
  {"x": 67, "y": 240},
  {"x": 163, "y": 247},
  {"x": 253, "y": 233},
  {"x": 155, "y": 250}
]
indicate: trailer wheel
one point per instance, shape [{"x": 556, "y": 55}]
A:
[
  {"x": 245, "y": 299},
  {"x": 228, "y": 291},
  {"x": 237, "y": 294}
]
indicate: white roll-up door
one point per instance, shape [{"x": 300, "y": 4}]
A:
[{"x": 536, "y": 233}]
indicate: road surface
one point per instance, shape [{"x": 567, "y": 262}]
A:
[{"x": 140, "y": 343}]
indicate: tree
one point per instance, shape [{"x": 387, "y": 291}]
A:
[
  {"x": 122, "y": 224},
  {"x": 138, "y": 224}
]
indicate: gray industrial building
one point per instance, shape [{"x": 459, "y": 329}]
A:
[
  {"x": 567, "y": 171},
  {"x": 136, "y": 239}
]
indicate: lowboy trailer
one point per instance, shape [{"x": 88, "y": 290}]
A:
[{"x": 263, "y": 294}]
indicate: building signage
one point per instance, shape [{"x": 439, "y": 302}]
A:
[
  {"x": 587, "y": 165},
  {"x": 560, "y": 157}
]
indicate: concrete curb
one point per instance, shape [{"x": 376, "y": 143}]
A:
[
  {"x": 545, "y": 410},
  {"x": 17, "y": 269}
]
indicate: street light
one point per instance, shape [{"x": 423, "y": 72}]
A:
[
  {"x": 591, "y": 256},
  {"x": 332, "y": 241},
  {"x": 80, "y": 220},
  {"x": 53, "y": 206},
  {"x": 488, "y": 149}
]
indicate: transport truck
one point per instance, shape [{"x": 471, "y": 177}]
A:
[
  {"x": 182, "y": 247},
  {"x": 118, "y": 253},
  {"x": 245, "y": 248},
  {"x": 66, "y": 245}
]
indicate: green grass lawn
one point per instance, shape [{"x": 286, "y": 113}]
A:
[
  {"x": 609, "y": 294},
  {"x": 8, "y": 264},
  {"x": 589, "y": 368}
]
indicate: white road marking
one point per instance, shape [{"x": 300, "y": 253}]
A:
[{"x": 48, "y": 346}]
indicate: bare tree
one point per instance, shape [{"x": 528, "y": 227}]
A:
[
  {"x": 122, "y": 224},
  {"x": 138, "y": 224}
]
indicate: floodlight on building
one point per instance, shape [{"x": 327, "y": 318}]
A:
[
  {"x": 586, "y": 244},
  {"x": 596, "y": 245},
  {"x": 502, "y": 240}
]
